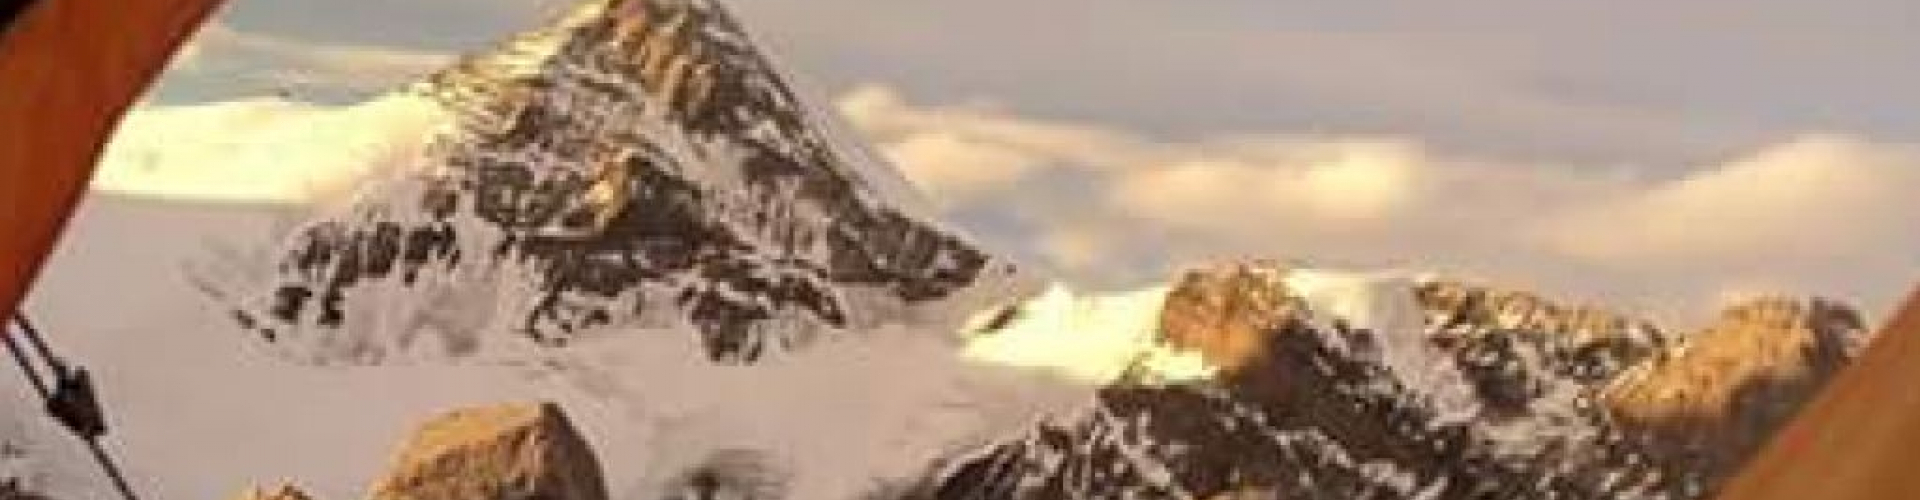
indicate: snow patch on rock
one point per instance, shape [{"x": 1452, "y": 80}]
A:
[{"x": 1095, "y": 339}]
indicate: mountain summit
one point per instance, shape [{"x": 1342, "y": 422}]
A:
[{"x": 637, "y": 163}]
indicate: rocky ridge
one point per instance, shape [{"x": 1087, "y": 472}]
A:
[{"x": 1311, "y": 404}]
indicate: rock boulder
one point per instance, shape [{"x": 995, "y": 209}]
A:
[
  {"x": 286, "y": 491},
  {"x": 507, "y": 452}
]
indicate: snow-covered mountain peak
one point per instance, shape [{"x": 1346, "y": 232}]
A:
[{"x": 635, "y": 164}]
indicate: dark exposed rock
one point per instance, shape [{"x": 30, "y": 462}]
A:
[{"x": 1514, "y": 347}]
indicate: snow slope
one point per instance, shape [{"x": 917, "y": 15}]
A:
[
  {"x": 1097, "y": 339},
  {"x": 179, "y": 380},
  {"x": 845, "y": 418}
]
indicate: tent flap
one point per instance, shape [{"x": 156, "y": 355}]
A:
[{"x": 68, "y": 70}]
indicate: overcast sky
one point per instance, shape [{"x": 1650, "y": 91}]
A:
[{"x": 1658, "y": 155}]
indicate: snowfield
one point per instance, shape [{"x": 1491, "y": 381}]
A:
[{"x": 201, "y": 409}]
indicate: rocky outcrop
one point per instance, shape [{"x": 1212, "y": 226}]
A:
[
  {"x": 1455, "y": 304},
  {"x": 1517, "y": 347},
  {"x": 1714, "y": 400},
  {"x": 495, "y": 453},
  {"x": 1227, "y": 315},
  {"x": 502, "y": 452},
  {"x": 283, "y": 492},
  {"x": 1563, "y": 402}
]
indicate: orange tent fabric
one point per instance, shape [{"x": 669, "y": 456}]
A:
[
  {"x": 68, "y": 70},
  {"x": 1860, "y": 439}
]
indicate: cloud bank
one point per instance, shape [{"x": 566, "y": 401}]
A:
[
  {"x": 1528, "y": 81},
  {"x": 243, "y": 62},
  {"x": 1814, "y": 213},
  {"x": 261, "y": 150}
]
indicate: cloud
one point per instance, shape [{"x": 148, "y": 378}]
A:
[
  {"x": 1461, "y": 76},
  {"x": 260, "y": 150},
  {"x": 222, "y": 50},
  {"x": 1356, "y": 182},
  {"x": 328, "y": 61},
  {"x": 1819, "y": 213},
  {"x": 883, "y": 113},
  {"x": 1818, "y": 196},
  {"x": 959, "y": 167}
]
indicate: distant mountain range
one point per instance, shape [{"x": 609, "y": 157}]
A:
[
  {"x": 644, "y": 163},
  {"x": 640, "y": 167},
  {"x": 1355, "y": 386}
]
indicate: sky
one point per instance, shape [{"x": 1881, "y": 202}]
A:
[{"x": 1658, "y": 157}]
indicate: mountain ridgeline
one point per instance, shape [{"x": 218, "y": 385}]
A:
[
  {"x": 639, "y": 167},
  {"x": 1471, "y": 393}
]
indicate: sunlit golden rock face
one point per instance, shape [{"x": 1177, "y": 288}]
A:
[
  {"x": 500, "y": 452},
  {"x": 1719, "y": 396},
  {"x": 681, "y": 69},
  {"x": 496, "y": 453},
  {"x": 1227, "y": 312},
  {"x": 283, "y": 492}
]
